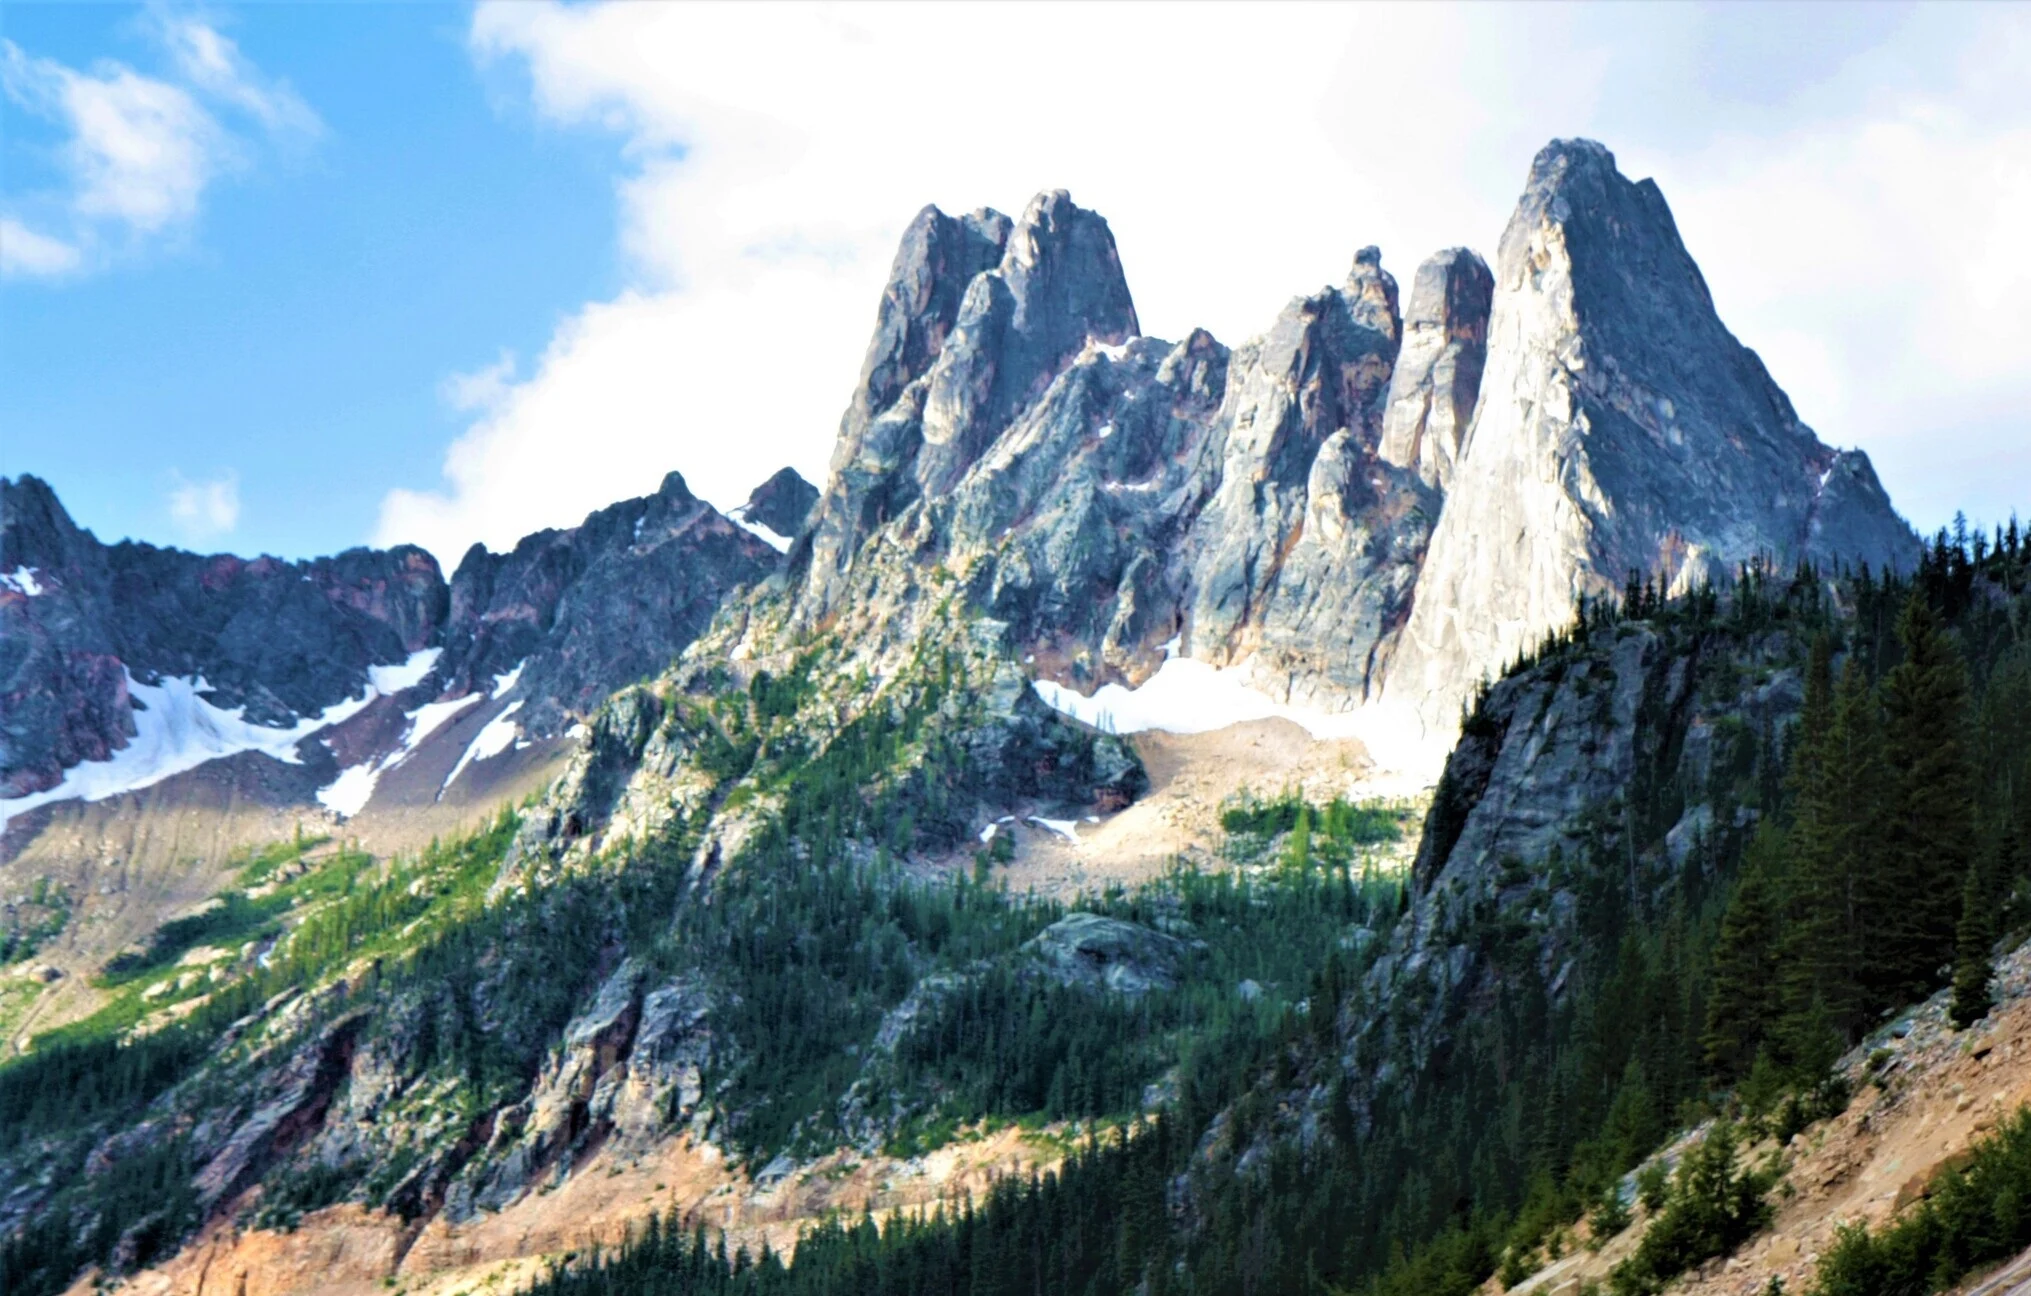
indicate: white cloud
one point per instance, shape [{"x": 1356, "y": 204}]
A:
[
  {"x": 212, "y": 63},
  {"x": 139, "y": 151},
  {"x": 26, "y": 254},
  {"x": 206, "y": 509},
  {"x": 483, "y": 388},
  {"x": 1852, "y": 184}
]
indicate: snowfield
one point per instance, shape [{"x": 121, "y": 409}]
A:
[
  {"x": 176, "y": 729},
  {"x": 1190, "y": 697}
]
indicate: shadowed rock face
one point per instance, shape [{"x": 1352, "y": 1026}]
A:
[
  {"x": 603, "y": 604},
  {"x": 783, "y": 503},
  {"x": 589, "y": 609},
  {"x": 280, "y": 639},
  {"x": 1620, "y": 428}
]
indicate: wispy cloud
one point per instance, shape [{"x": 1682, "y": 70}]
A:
[
  {"x": 480, "y": 389},
  {"x": 25, "y": 253},
  {"x": 138, "y": 152},
  {"x": 207, "y": 509},
  {"x": 211, "y": 62}
]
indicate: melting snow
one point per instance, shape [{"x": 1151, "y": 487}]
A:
[
  {"x": 1066, "y": 828},
  {"x": 23, "y": 579},
  {"x": 349, "y": 793},
  {"x": 498, "y": 735},
  {"x": 1188, "y": 697},
  {"x": 780, "y": 543},
  {"x": 502, "y": 683},
  {"x": 393, "y": 679},
  {"x": 179, "y": 730}
]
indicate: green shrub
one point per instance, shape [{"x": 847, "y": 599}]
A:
[
  {"x": 1713, "y": 1208},
  {"x": 1975, "y": 1214}
]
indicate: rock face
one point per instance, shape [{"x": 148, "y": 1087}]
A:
[
  {"x": 577, "y": 613},
  {"x": 1438, "y": 371},
  {"x": 281, "y": 640},
  {"x": 1359, "y": 504},
  {"x": 605, "y": 603},
  {"x": 1108, "y": 954},
  {"x": 783, "y": 503},
  {"x": 1620, "y": 428}
]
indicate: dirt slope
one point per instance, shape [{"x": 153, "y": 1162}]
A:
[{"x": 1938, "y": 1090}]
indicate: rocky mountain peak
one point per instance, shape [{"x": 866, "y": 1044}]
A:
[
  {"x": 1058, "y": 287},
  {"x": 1621, "y": 427},
  {"x": 783, "y": 503},
  {"x": 1438, "y": 372}
]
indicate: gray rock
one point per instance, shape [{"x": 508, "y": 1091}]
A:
[
  {"x": 586, "y": 610},
  {"x": 783, "y": 503},
  {"x": 1438, "y": 372},
  {"x": 1621, "y": 428},
  {"x": 1107, "y": 953}
]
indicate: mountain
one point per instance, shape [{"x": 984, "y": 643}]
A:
[
  {"x": 817, "y": 894},
  {"x": 280, "y": 643},
  {"x": 127, "y": 664},
  {"x": 1351, "y": 508},
  {"x": 1622, "y": 429}
]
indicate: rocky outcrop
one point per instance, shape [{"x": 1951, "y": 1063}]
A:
[
  {"x": 1438, "y": 371},
  {"x": 581, "y": 612},
  {"x": 1620, "y": 428},
  {"x": 1356, "y": 505},
  {"x": 783, "y": 503},
  {"x": 1305, "y": 554},
  {"x": 276, "y": 640},
  {"x": 1085, "y": 949}
]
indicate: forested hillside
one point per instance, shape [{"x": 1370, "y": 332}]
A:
[{"x": 1814, "y": 818}]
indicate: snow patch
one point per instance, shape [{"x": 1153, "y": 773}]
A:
[
  {"x": 1106, "y": 431},
  {"x": 502, "y": 683},
  {"x": 176, "y": 729},
  {"x": 779, "y": 543},
  {"x": 1188, "y": 697},
  {"x": 1066, "y": 828},
  {"x": 408, "y": 674},
  {"x": 1112, "y": 351},
  {"x": 428, "y": 719},
  {"x": 349, "y": 793},
  {"x": 23, "y": 579},
  {"x": 498, "y": 735}
]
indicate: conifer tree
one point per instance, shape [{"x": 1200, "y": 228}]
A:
[
  {"x": 1744, "y": 1003},
  {"x": 1817, "y": 950},
  {"x": 1928, "y": 832},
  {"x": 1971, "y": 968}
]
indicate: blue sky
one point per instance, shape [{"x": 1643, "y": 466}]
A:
[
  {"x": 296, "y": 333},
  {"x": 288, "y": 278}
]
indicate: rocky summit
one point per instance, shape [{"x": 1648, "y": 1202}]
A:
[
  {"x": 1368, "y": 502},
  {"x": 260, "y": 654}
]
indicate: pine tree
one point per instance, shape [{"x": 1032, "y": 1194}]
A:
[
  {"x": 1928, "y": 836},
  {"x": 1744, "y": 1004},
  {"x": 1817, "y": 950},
  {"x": 1971, "y": 969}
]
